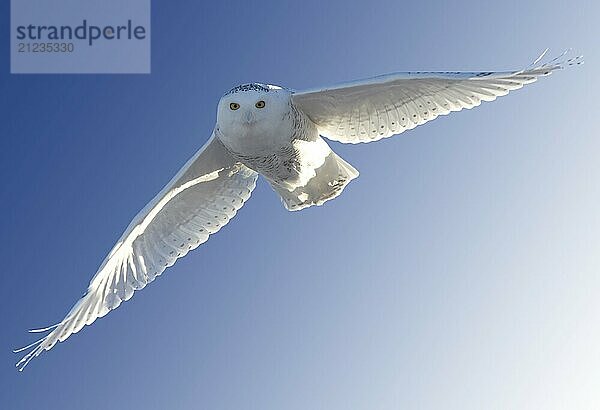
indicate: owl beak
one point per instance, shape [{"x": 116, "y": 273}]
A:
[{"x": 249, "y": 117}]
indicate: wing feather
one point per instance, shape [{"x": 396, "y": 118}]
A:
[
  {"x": 371, "y": 109},
  {"x": 204, "y": 195}
]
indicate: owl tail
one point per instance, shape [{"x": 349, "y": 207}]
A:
[{"x": 329, "y": 181}]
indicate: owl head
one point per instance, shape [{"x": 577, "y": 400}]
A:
[{"x": 251, "y": 109}]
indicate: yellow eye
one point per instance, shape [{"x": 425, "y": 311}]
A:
[
  {"x": 234, "y": 106},
  {"x": 260, "y": 104}
]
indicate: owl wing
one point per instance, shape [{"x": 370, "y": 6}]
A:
[
  {"x": 204, "y": 195},
  {"x": 379, "y": 107}
]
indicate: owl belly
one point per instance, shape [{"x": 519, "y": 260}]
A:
[
  {"x": 290, "y": 166},
  {"x": 269, "y": 153},
  {"x": 280, "y": 166}
]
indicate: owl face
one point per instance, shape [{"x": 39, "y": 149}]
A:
[{"x": 253, "y": 111}]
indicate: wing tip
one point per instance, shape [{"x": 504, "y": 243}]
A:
[
  {"x": 560, "y": 62},
  {"x": 37, "y": 349}
]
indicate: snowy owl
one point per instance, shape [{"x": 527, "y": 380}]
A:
[{"x": 280, "y": 134}]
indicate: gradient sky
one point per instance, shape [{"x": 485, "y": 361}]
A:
[{"x": 460, "y": 271}]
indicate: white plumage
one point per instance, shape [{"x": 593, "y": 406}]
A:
[{"x": 275, "y": 132}]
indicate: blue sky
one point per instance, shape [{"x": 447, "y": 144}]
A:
[{"x": 460, "y": 271}]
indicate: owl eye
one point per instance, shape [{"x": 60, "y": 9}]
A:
[
  {"x": 260, "y": 104},
  {"x": 234, "y": 106}
]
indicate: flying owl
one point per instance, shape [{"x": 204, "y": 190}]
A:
[{"x": 280, "y": 134}]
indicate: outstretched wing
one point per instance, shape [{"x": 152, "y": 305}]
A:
[
  {"x": 204, "y": 195},
  {"x": 379, "y": 107}
]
